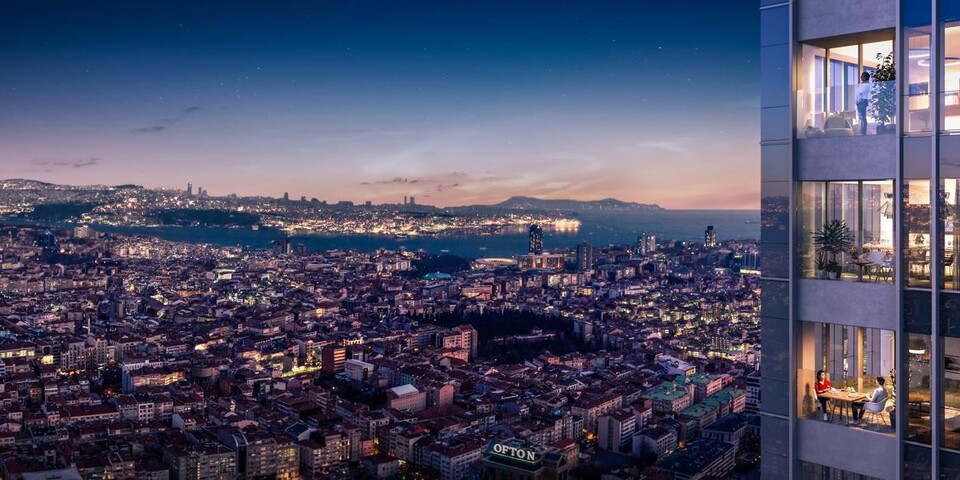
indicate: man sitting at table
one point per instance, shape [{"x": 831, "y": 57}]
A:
[{"x": 879, "y": 395}]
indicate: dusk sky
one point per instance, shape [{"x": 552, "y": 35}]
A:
[{"x": 452, "y": 102}]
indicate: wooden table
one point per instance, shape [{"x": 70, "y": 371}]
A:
[
  {"x": 842, "y": 399},
  {"x": 918, "y": 399},
  {"x": 861, "y": 264}
]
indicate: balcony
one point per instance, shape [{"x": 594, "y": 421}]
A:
[
  {"x": 834, "y": 112},
  {"x": 847, "y": 108},
  {"x": 853, "y": 449}
]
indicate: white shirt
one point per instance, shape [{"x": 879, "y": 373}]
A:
[
  {"x": 879, "y": 395},
  {"x": 863, "y": 92}
]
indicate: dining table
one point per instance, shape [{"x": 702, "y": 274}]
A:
[
  {"x": 843, "y": 400},
  {"x": 861, "y": 264}
]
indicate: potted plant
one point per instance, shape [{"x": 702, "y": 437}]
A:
[
  {"x": 832, "y": 239},
  {"x": 893, "y": 398},
  {"x": 883, "y": 95},
  {"x": 820, "y": 264}
]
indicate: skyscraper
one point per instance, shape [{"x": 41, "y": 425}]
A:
[
  {"x": 189, "y": 189},
  {"x": 584, "y": 256},
  {"x": 858, "y": 250},
  {"x": 536, "y": 239},
  {"x": 710, "y": 237},
  {"x": 646, "y": 243}
]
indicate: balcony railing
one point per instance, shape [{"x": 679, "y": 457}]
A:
[{"x": 832, "y": 112}]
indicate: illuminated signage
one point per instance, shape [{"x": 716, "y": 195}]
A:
[{"x": 514, "y": 452}]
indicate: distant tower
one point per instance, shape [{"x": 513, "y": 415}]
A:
[
  {"x": 710, "y": 237},
  {"x": 646, "y": 243},
  {"x": 536, "y": 239},
  {"x": 282, "y": 246},
  {"x": 404, "y": 199},
  {"x": 189, "y": 189},
  {"x": 584, "y": 256},
  {"x": 413, "y": 200},
  {"x": 286, "y": 196}
]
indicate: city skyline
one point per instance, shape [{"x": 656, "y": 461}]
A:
[{"x": 452, "y": 104}]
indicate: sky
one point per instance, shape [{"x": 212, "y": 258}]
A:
[{"x": 451, "y": 102}]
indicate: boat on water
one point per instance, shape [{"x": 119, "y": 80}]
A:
[
  {"x": 483, "y": 248},
  {"x": 445, "y": 250}
]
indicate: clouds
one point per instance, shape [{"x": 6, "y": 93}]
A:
[
  {"x": 150, "y": 129},
  {"x": 679, "y": 146},
  {"x": 164, "y": 124},
  {"x": 48, "y": 165},
  {"x": 393, "y": 181}
]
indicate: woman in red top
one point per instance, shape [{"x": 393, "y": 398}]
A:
[{"x": 822, "y": 385}]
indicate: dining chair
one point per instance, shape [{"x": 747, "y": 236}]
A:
[
  {"x": 881, "y": 266},
  {"x": 874, "y": 409}
]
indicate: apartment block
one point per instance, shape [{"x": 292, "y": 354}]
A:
[{"x": 860, "y": 230}]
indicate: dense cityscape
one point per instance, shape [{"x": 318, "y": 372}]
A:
[
  {"x": 344, "y": 240},
  {"x": 133, "y": 205},
  {"x": 134, "y": 357}
]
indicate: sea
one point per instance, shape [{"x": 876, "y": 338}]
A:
[{"x": 598, "y": 229}]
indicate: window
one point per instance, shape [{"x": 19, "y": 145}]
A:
[
  {"x": 851, "y": 358},
  {"x": 917, "y": 94},
  {"x": 916, "y": 229},
  {"x": 951, "y": 393},
  {"x": 830, "y": 78},
  {"x": 814, "y": 471},
  {"x": 865, "y": 211},
  {"x": 918, "y": 388},
  {"x": 950, "y": 73},
  {"x": 950, "y": 226}
]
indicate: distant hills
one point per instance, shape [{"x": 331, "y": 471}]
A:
[{"x": 607, "y": 204}]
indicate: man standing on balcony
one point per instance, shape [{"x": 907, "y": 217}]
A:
[{"x": 862, "y": 99}]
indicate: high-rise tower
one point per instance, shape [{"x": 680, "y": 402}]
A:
[
  {"x": 536, "y": 239},
  {"x": 710, "y": 237},
  {"x": 859, "y": 230}
]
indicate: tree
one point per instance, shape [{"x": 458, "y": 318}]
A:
[{"x": 883, "y": 104}]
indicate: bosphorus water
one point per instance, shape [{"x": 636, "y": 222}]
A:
[{"x": 598, "y": 229}]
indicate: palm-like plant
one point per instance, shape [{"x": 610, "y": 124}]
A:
[
  {"x": 883, "y": 102},
  {"x": 832, "y": 239}
]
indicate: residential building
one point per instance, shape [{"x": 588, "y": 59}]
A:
[{"x": 840, "y": 79}]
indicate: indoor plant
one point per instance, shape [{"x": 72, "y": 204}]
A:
[
  {"x": 832, "y": 239},
  {"x": 883, "y": 95},
  {"x": 819, "y": 264}
]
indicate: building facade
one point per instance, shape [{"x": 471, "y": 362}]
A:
[
  {"x": 860, "y": 228},
  {"x": 536, "y": 240}
]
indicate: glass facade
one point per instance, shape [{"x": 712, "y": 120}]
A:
[
  {"x": 830, "y": 78},
  {"x": 850, "y": 359},
  {"x": 916, "y": 91},
  {"x": 916, "y": 232},
  {"x": 919, "y": 371},
  {"x": 813, "y": 471},
  {"x": 865, "y": 209}
]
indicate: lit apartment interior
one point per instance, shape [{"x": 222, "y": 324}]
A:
[
  {"x": 828, "y": 84},
  {"x": 865, "y": 208},
  {"x": 851, "y": 358}
]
